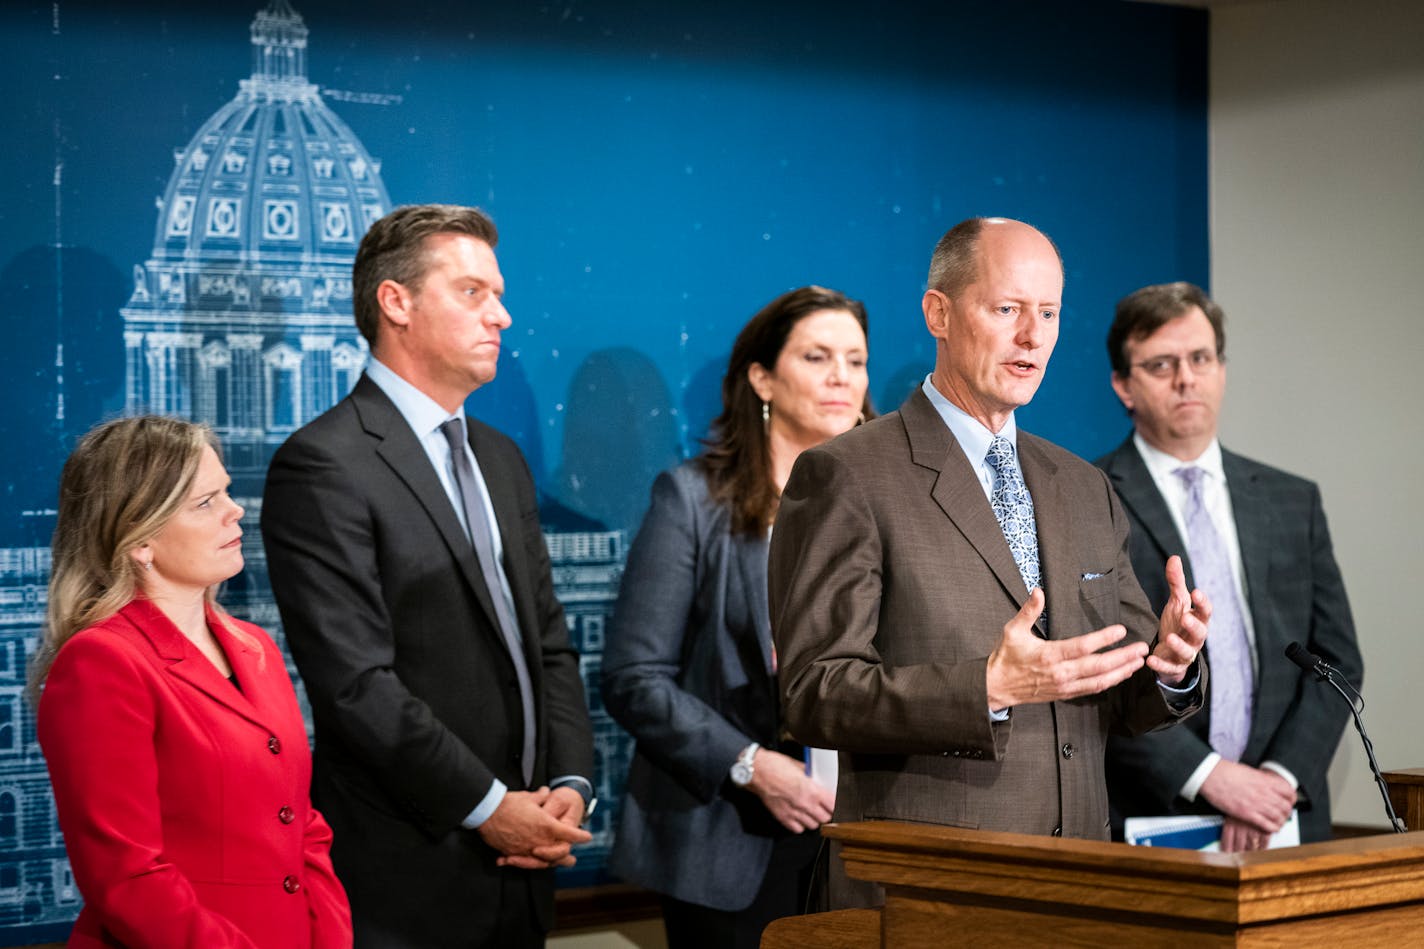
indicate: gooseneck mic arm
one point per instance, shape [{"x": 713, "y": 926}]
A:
[{"x": 1325, "y": 672}]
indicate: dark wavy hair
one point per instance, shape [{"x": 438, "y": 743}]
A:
[{"x": 737, "y": 459}]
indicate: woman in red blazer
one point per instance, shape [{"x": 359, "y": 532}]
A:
[{"x": 173, "y": 737}]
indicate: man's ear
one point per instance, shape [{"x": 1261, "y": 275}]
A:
[
  {"x": 395, "y": 300},
  {"x": 936, "y": 307},
  {"x": 1119, "y": 384}
]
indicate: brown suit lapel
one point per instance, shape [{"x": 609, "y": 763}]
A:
[{"x": 958, "y": 492}]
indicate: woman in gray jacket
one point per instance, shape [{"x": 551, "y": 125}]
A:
[{"x": 721, "y": 811}]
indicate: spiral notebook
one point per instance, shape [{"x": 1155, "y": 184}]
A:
[{"x": 1194, "y": 832}]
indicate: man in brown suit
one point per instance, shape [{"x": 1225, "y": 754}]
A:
[{"x": 905, "y": 577}]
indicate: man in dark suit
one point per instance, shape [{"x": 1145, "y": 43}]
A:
[
  {"x": 416, "y": 594},
  {"x": 1254, "y": 538},
  {"x": 914, "y": 558}
]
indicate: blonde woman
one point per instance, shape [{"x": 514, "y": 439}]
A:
[{"x": 173, "y": 737}]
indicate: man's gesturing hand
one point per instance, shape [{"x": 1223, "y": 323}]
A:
[
  {"x": 1183, "y": 628},
  {"x": 1024, "y": 669}
]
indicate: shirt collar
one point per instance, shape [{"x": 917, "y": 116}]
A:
[
  {"x": 422, "y": 413},
  {"x": 1162, "y": 465},
  {"x": 971, "y": 434}
]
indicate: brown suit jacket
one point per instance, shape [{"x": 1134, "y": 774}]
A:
[{"x": 891, "y": 583}]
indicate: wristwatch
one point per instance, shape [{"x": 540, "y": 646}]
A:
[{"x": 744, "y": 768}]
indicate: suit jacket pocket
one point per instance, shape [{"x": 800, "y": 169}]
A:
[
  {"x": 1098, "y": 596},
  {"x": 915, "y": 817}
]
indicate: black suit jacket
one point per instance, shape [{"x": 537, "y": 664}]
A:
[
  {"x": 1294, "y": 593},
  {"x": 413, "y": 692}
]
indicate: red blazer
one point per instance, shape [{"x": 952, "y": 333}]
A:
[{"x": 185, "y": 802}]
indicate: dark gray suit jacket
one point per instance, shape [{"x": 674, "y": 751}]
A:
[
  {"x": 890, "y": 584},
  {"x": 413, "y": 692},
  {"x": 687, "y": 670},
  {"x": 1295, "y": 594}
]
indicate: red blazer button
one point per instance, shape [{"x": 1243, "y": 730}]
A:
[
  {"x": 274, "y": 745},
  {"x": 291, "y": 884},
  {"x": 286, "y": 815}
]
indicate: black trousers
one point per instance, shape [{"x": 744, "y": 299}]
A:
[{"x": 785, "y": 891}]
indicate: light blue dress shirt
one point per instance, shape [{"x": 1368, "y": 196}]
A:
[{"x": 974, "y": 440}]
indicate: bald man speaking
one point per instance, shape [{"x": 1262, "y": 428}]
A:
[{"x": 952, "y": 600}]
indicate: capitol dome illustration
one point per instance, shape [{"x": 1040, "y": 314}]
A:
[{"x": 242, "y": 316}]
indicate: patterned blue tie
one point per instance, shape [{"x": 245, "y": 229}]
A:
[
  {"x": 1232, "y": 678},
  {"x": 1014, "y": 508}
]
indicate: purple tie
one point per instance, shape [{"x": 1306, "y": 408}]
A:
[{"x": 1232, "y": 681}]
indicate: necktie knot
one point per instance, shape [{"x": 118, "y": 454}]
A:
[
  {"x": 1191, "y": 477},
  {"x": 454, "y": 431},
  {"x": 1001, "y": 456}
]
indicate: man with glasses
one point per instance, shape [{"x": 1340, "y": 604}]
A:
[{"x": 1255, "y": 540}]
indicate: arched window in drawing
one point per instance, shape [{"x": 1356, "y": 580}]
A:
[
  {"x": 215, "y": 385},
  {"x": 282, "y": 389}
]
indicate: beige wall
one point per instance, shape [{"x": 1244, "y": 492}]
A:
[{"x": 1317, "y": 235}]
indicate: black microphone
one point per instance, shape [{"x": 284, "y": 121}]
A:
[
  {"x": 1309, "y": 661},
  {"x": 1325, "y": 672}
]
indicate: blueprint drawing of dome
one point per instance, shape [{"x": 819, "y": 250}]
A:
[{"x": 242, "y": 316}]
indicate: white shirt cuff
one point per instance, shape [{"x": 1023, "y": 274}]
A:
[
  {"x": 485, "y": 808},
  {"x": 1283, "y": 771},
  {"x": 1190, "y": 790},
  {"x": 1179, "y": 689}
]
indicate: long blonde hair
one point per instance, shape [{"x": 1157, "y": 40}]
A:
[{"x": 120, "y": 486}]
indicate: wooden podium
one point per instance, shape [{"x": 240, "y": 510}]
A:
[
  {"x": 950, "y": 887},
  {"x": 1406, "y": 795}
]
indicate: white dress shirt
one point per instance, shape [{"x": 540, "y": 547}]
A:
[{"x": 1217, "y": 500}]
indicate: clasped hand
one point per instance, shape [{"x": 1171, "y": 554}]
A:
[
  {"x": 1025, "y": 669},
  {"x": 536, "y": 829},
  {"x": 1256, "y": 803}
]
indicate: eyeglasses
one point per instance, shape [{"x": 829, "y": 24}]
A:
[{"x": 1204, "y": 362}]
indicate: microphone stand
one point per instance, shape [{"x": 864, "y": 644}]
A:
[{"x": 1324, "y": 672}]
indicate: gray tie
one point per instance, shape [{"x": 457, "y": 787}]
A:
[
  {"x": 1232, "y": 679},
  {"x": 483, "y": 540}
]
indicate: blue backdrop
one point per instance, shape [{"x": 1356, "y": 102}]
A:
[{"x": 657, "y": 174}]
